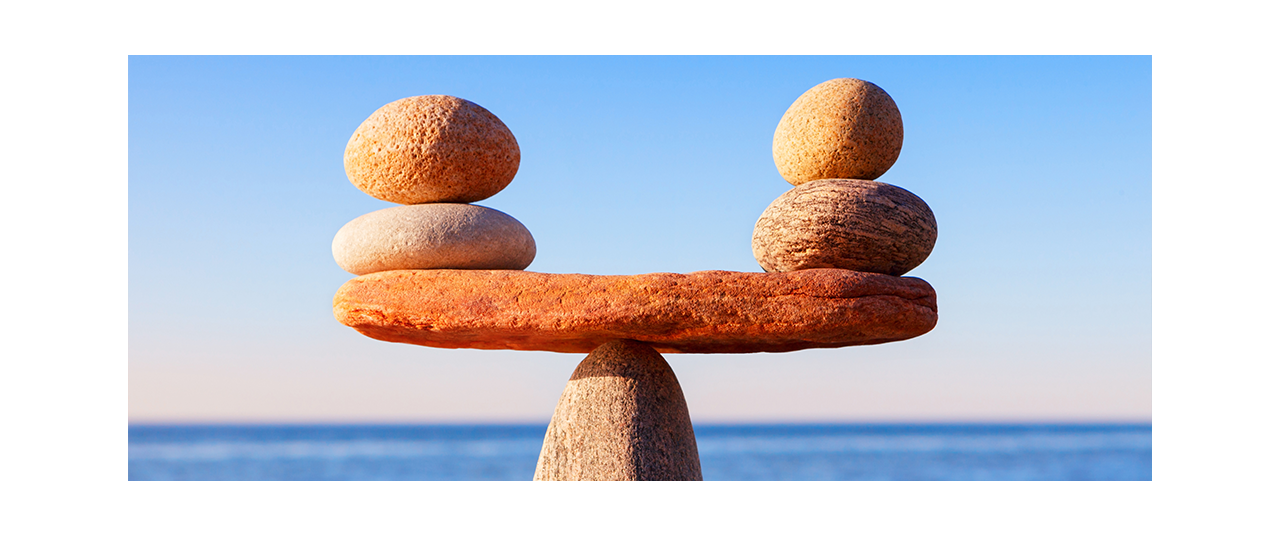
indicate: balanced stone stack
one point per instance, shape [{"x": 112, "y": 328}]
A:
[
  {"x": 833, "y": 249},
  {"x": 435, "y": 155},
  {"x": 832, "y": 143}
]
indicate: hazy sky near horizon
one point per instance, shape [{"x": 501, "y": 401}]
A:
[{"x": 1038, "y": 170}]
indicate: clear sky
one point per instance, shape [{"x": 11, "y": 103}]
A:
[{"x": 1038, "y": 169}]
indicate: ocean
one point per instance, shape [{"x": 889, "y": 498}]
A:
[{"x": 796, "y": 452}]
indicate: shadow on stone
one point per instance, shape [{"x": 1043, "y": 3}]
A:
[{"x": 622, "y": 417}]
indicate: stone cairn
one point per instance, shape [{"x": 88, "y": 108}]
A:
[
  {"x": 833, "y": 142},
  {"x": 442, "y": 273},
  {"x": 434, "y": 155}
]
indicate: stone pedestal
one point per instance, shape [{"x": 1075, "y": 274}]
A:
[{"x": 622, "y": 417}]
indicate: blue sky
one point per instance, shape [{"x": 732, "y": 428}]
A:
[{"x": 1038, "y": 169}]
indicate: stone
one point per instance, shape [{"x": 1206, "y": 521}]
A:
[
  {"x": 622, "y": 417},
  {"x": 701, "y": 312},
  {"x": 433, "y": 236},
  {"x": 850, "y": 224},
  {"x": 840, "y": 129},
  {"x": 432, "y": 149}
]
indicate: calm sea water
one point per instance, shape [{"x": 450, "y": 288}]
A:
[{"x": 728, "y": 452}]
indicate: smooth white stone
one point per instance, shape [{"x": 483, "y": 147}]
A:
[{"x": 433, "y": 236}]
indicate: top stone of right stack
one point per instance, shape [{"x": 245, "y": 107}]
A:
[{"x": 840, "y": 129}]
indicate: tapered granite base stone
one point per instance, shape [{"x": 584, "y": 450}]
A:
[{"x": 622, "y": 417}]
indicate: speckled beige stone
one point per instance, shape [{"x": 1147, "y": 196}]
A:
[
  {"x": 622, "y": 417},
  {"x": 840, "y": 129},
  {"x": 714, "y": 311},
  {"x": 433, "y": 236},
  {"x": 432, "y": 149},
  {"x": 845, "y": 223}
]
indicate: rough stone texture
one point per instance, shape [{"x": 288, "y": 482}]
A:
[
  {"x": 432, "y": 149},
  {"x": 840, "y": 129},
  {"x": 433, "y": 236},
  {"x": 622, "y": 417},
  {"x": 845, "y": 223},
  {"x": 701, "y": 312}
]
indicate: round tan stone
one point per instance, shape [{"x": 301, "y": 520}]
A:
[
  {"x": 840, "y": 129},
  {"x": 433, "y": 236},
  {"x": 432, "y": 149},
  {"x": 851, "y": 224}
]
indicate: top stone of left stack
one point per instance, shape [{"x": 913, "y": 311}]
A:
[{"x": 432, "y": 149}]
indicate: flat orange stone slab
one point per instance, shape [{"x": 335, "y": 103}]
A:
[{"x": 702, "y": 312}]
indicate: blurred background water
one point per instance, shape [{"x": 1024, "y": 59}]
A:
[{"x": 835, "y": 452}]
